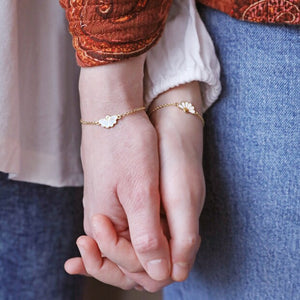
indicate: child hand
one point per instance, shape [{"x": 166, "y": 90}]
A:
[{"x": 182, "y": 186}]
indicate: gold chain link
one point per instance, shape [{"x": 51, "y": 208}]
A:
[
  {"x": 89, "y": 122},
  {"x": 133, "y": 111},
  {"x": 177, "y": 105},
  {"x": 162, "y": 106},
  {"x": 117, "y": 117}
]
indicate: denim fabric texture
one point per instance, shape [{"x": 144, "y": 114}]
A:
[
  {"x": 38, "y": 229},
  {"x": 250, "y": 223}
]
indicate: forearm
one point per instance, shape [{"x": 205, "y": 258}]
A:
[{"x": 112, "y": 88}]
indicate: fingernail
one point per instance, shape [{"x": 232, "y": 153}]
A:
[
  {"x": 180, "y": 271},
  {"x": 158, "y": 269}
]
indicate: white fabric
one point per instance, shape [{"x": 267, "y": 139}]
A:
[
  {"x": 185, "y": 53},
  {"x": 39, "y": 105}
]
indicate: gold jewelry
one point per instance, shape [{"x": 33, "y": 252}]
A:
[
  {"x": 185, "y": 106},
  {"x": 111, "y": 121}
]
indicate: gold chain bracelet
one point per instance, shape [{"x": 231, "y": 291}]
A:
[
  {"x": 185, "y": 106},
  {"x": 111, "y": 121}
]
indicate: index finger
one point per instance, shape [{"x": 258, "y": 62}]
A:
[{"x": 149, "y": 242}]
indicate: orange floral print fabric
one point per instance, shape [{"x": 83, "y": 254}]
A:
[{"x": 106, "y": 31}]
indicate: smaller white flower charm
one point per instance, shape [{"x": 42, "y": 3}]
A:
[
  {"x": 187, "y": 107},
  {"x": 108, "y": 121}
]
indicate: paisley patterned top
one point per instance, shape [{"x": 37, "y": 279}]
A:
[
  {"x": 106, "y": 31},
  {"x": 262, "y": 11}
]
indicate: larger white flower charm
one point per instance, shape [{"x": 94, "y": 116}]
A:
[
  {"x": 187, "y": 107},
  {"x": 108, "y": 121}
]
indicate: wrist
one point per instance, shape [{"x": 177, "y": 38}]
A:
[
  {"x": 189, "y": 92},
  {"x": 111, "y": 89},
  {"x": 163, "y": 110}
]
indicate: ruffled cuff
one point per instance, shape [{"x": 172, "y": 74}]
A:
[
  {"x": 185, "y": 53},
  {"x": 111, "y": 30}
]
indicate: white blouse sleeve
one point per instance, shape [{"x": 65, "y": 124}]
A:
[{"x": 184, "y": 53}]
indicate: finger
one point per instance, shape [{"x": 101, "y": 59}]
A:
[
  {"x": 117, "y": 249},
  {"x": 164, "y": 225},
  {"x": 183, "y": 207},
  {"x": 148, "y": 284},
  {"x": 101, "y": 268},
  {"x": 148, "y": 240},
  {"x": 75, "y": 266}
]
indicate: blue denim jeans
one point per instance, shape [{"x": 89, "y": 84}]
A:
[
  {"x": 250, "y": 223},
  {"x": 38, "y": 229}
]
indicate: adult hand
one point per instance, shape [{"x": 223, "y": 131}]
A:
[{"x": 121, "y": 166}]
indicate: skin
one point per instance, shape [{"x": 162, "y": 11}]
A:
[
  {"x": 149, "y": 166},
  {"x": 125, "y": 185},
  {"x": 182, "y": 186}
]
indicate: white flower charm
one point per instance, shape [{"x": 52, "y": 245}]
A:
[
  {"x": 108, "y": 121},
  {"x": 187, "y": 107}
]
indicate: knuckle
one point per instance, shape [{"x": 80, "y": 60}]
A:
[
  {"x": 92, "y": 270},
  {"x": 128, "y": 285},
  {"x": 146, "y": 244},
  {"x": 190, "y": 242},
  {"x": 134, "y": 269}
]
